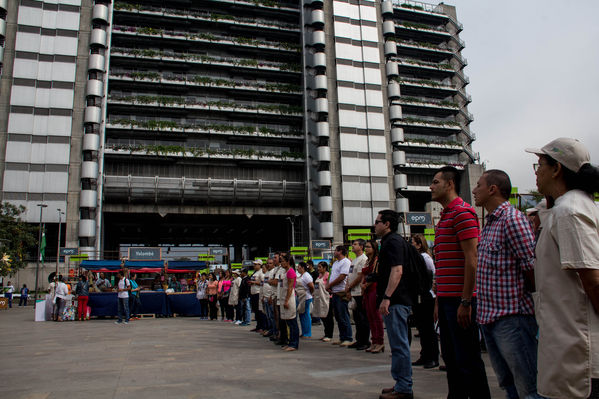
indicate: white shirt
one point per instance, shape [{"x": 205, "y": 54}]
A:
[
  {"x": 256, "y": 277},
  {"x": 356, "y": 267},
  {"x": 430, "y": 265},
  {"x": 267, "y": 292},
  {"x": 305, "y": 280},
  {"x": 339, "y": 267},
  {"x": 281, "y": 276},
  {"x": 62, "y": 290},
  {"x": 11, "y": 289},
  {"x": 568, "y": 350},
  {"x": 121, "y": 285}
]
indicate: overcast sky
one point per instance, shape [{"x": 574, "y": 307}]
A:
[{"x": 534, "y": 76}]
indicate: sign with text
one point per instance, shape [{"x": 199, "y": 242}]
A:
[
  {"x": 69, "y": 251},
  {"x": 321, "y": 244},
  {"x": 145, "y": 253},
  {"x": 418, "y": 218},
  {"x": 218, "y": 251}
]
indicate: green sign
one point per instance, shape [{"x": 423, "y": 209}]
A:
[{"x": 79, "y": 257}]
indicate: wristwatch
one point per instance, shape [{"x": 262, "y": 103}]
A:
[
  {"x": 466, "y": 302},
  {"x": 385, "y": 296}
]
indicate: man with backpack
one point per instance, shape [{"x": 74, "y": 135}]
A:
[
  {"x": 123, "y": 287},
  {"x": 395, "y": 300},
  {"x": 456, "y": 239}
]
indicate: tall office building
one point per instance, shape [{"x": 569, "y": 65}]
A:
[{"x": 250, "y": 123}]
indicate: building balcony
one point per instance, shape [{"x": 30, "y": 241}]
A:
[
  {"x": 418, "y": 164},
  {"x": 228, "y": 62},
  {"x": 204, "y": 81},
  {"x": 411, "y": 105},
  {"x": 206, "y": 38},
  {"x": 425, "y": 70},
  {"x": 418, "y": 31},
  {"x": 229, "y": 21},
  {"x": 206, "y": 190},
  {"x": 211, "y": 106},
  {"x": 426, "y": 88},
  {"x": 474, "y": 156},
  {"x": 438, "y": 146},
  {"x": 203, "y": 153},
  {"x": 260, "y": 133},
  {"x": 430, "y": 51},
  {"x": 423, "y": 126}
]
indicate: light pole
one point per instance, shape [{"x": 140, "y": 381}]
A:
[
  {"x": 39, "y": 244},
  {"x": 292, "y": 221},
  {"x": 58, "y": 246}
]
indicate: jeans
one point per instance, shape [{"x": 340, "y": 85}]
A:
[
  {"x": 269, "y": 317},
  {"x": 306, "y": 320},
  {"x": 329, "y": 322},
  {"x": 460, "y": 348},
  {"x": 423, "y": 315},
  {"x": 361, "y": 320},
  {"x": 342, "y": 316},
  {"x": 397, "y": 333},
  {"x": 23, "y": 301},
  {"x": 123, "y": 307},
  {"x": 246, "y": 310},
  {"x": 374, "y": 317},
  {"x": 293, "y": 332},
  {"x": 81, "y": 307},
  {"x": 204, "y": 308},
  {"x": 9, "y": 296},
  {"x": 512, "y": 346}
]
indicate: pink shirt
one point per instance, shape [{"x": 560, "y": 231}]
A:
[
  {"x": 291, "y": 275},
  {"x": 224, "y": 285}
]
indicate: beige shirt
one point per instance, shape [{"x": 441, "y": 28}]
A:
[
  {"x": 267, "y": 288},
  {"x": 290, "y": 313},
  {"x": 568, "y": 325},
  {"x": 321, "y": 299},
  {"x": 356, "y": 267},
  {"x": 280, "y": 276},
  {"x": 256, "y": 277}
]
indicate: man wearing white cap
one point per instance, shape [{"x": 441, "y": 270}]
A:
[{"x": 567, "y": 272}]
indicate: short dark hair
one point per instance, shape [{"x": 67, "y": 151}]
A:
[
  {"x": 496, "y": 177},
  {"x": 309, "y": 262},
  {"x": 289, "y": 259},
  {"x": 450, "y": 173},
  {"x": 360, "y": 242},
  {"x": 324, "y": 265},
  {"x": 586, "y": 179},
  {"x": 388, "y": 215},
  {"x": 302, "y": 265},
  {"x": 341, "y": 249}
]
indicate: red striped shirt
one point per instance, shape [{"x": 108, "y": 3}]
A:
[{"x": 458, "y": 222}]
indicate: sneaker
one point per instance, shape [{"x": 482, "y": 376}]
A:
[
  {"x": 126, "y": 322},
  {"x": 244, "y": 324},
  {"x": 237, "y": 322},
  {"x": 117, "y": 322},
  {"x": 325, "y": 339},
  {"x": 345, "y": 344},
  {"x": 336, "y": 342}
]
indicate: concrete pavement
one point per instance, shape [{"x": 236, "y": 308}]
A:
[{"x": 187, "y": 358}]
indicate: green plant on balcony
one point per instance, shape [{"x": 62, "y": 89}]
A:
[
  {"x": 126, "y": 6},
  {"x": 413, "y": 7},
  {"x": 146, "y": 30},
  {"x": 415, "y": 25},
  {"x": 145, "y": 75}
]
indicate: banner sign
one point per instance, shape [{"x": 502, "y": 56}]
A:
[
  {"x": 145, "y": 253},
  {"x": 69, "y": 251},
  {"x": 418, "y": 218},
  {"x": 321, "y": 244}
]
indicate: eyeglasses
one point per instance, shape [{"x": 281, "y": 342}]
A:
[
  {"x": 378, "y": 221},
  {"x": 536, "y": 166}
]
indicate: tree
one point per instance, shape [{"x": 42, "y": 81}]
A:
[{"x": 17, "y": 238}]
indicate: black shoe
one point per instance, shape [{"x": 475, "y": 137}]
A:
[
  {"x": 273, "y": 338},
  {"x": 419, "y": 362},
  {"x": 354, "y": 345},
  {"x": 281, "y": 343},
  {"x": 430, "y": 365},
  {"x": 443, "y": 368},
  {"x": 362, "y": 347}
]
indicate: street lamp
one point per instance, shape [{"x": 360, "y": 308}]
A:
[
  {"x": 60, "y": 212},
  {"x": 292, "y": 221},
  {"x": 39, "y": 249}
]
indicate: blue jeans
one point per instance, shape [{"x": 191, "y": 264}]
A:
[
  {"x": 246, "y": 310},
  {"x": 9, "y": 297},
  {"x": 396, "y": 323},
  {"x": 306, "y": 320},
  {"x": 293, "y": 332},
  {"x": 342, "y": 316},
  {"x": 271, "y": 326},
  {"x": 512, "y": 346},
  {"x": 123, "y": 307},
  {"x": 460, "y": 348}
]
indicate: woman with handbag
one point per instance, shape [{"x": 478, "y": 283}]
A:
[{"x": 368, "y": 285}]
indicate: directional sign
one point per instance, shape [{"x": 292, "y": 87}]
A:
[
  {"x": 321, "y": 244},
  {"x": 145, "y": 253},
  {"x": 418, "y": 218},
  {"x": 218, "y": 251},
  {"x": 69, "y": 251},
  {"x": 248, "y": 263}
]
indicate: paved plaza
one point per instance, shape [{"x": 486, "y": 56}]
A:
[{"x": 187, "y": 358}]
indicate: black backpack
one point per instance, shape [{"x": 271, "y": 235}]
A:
[{"x": 419, "y": 278}]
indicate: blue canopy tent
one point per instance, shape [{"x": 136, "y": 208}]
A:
[
  {"x": 184, "y": 266},
  {"x": 144, "y": 266},
  {"x": 104, "y": 266}
]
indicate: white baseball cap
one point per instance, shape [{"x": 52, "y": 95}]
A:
[{"x": 569, "y": 152}]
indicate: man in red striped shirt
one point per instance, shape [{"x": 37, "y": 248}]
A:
[{"x": 456, "y": 239}]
